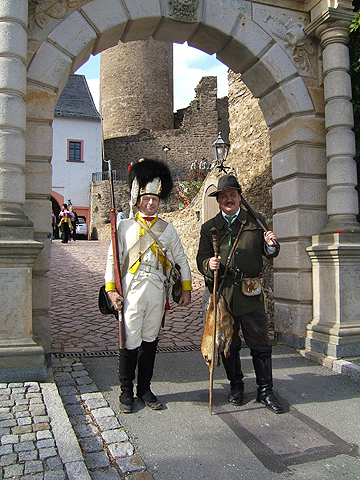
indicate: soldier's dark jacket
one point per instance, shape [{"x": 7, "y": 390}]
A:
[{"x": 247, "y": 258}]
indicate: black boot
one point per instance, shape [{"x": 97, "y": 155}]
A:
[
  {"x": 263, "y": 371},
  {"x": 234, "y": 374},
  {"x": 146, "y": 361},
  {"x": 126, "y": 368}
]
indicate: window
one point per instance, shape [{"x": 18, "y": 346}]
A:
[{"x": 75, "y": 151}]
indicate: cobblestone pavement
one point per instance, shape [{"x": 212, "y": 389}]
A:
[{"x": 77, "y": 272}]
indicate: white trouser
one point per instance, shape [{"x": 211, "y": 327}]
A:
[{"x": 143, "y": 310}]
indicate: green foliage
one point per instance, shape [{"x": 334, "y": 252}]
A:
[{"x": 186, "y": 191}]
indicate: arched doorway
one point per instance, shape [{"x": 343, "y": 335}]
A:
[{"x": 250, "y": 38}]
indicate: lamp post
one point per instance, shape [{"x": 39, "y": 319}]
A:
[{"x": 220, "y": 150}]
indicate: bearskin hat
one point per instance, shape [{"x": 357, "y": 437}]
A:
[{"x": 150, "y": 177}]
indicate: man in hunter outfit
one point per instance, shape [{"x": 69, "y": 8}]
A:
[
  {"x": 248, "y": 311},
  {"x": 145, "y": 272}
]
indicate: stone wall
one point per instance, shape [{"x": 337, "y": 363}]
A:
[{"x": 191, "y": 141}]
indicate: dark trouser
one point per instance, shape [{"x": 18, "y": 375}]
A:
[
  {"x": 74, "y": 231},
  {"x": 144, "y": 358},
  {"x": 254, "y": 327},
  {"x": 65, "y": 232}
]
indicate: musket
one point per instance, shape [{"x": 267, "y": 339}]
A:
[
  {"x": 259, "y": 222},
  {"x": 215, "y": 240},
  {"x": 115, "y": 247}
]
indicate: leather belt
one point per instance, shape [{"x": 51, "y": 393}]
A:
[{"x": 234, "y": 274}]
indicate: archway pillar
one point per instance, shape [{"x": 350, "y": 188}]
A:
[
  {"x": 21, "y": 358},
  {"x": 334, "y": 331}
]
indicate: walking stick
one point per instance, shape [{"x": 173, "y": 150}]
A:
[
  {"x": 115, "y": 246},
  {"x": 215, "y": 240},
  {"x": 259, "y": 222}
]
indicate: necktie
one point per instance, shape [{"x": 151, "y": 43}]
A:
[
  {"x": 229, "y": 220},
  {"x": 148, "y": 219}
]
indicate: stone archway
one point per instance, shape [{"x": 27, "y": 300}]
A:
[{"x": 262, "y": 42}]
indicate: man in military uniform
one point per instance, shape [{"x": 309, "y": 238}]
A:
[
  {"x": 145, "y": 266},
  {"x": 248, "y": 311}
]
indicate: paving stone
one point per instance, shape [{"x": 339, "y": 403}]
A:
[
  {"x": 30, "y": 455},
  {"x": 10, "y": 459},
  {"x": 91, "y": 444},
  {"x": 46, "y": 443},
  {"x": 75, "y": 409},
  {"x": 24, "y": 421},
  {"x": 6, "y": 449},
  {"x": 28, "y": 437},
  {"x": 53, "y": 463},
  {"x": 22, "y": 414},
  {"x": 108, "y": 423},
  {"x": 43, "y": 434},
  {"x": 9, "y": 439},
  {"x": 144, "y": 475},
  {"x": 54, "y": 475},
  {"x": 96, "y": 460},
  {"x": 24, "y": 447},
  {"x": 86, "y": 430},
  {"x": 131, "y": 464},
  {"x": 111, "y": 474},
  {"x": 87, "y": 388},
  {"x": 33, "y": 466},
  {"x": 13, "y": 471},
  {"x": 47, "y": 452},
  {"x": 40, "y": 426},
  {"x": 20, "y": 429},
  {"x": 102, "y": 412},
  {"x": 7, "y": 423},
  {"x": 6, "y": 416},
  {"x": 121, "y": 449},
  {"x": 97, "y": 402},
  {"x": 41, "y": 419},
  {"x": 71, "y": 399},
  {"x": 113, "y": 436}
]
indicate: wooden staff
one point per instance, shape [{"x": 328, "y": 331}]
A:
[
  {"x": 259, "y": 222},
  {"x": 215, "y": 240},
  {"x": 115, "y": 246}
]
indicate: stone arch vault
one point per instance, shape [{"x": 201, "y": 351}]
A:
[{"x": 306, "y": 100}]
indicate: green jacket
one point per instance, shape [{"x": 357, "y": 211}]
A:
[{"x": 247, "y": 257}]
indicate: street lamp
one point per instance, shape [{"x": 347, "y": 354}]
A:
[{"x": 220, "y": 150}]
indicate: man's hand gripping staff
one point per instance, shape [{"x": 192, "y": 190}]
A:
[{"x": 116, "y": 297}]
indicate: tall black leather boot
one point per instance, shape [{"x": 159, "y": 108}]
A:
[
  {"x": 146, "y": 362},
  {"x": 126, "y": 368},
  {"x": 263, "y": 371},
  {"x": 234, "y": 374}
]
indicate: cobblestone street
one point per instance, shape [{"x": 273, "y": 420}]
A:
[{"x": 77, "y": 326}]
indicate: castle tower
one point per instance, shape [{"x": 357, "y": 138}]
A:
[{"x": 136, "y": 88}]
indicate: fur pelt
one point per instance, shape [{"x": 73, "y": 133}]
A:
[
  {"x": 224, "y": 331},
  {"x": 146, "y": 170}
]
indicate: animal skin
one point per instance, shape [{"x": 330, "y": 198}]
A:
[{"x": 224, "y": 331}]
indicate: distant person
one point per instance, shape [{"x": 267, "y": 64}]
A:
[
  {"x": 53, "y": 225},
  {"x": 65, "y": 224},
  {"x": 74, "y": 222},
  {"x": 120, "y": 215}
]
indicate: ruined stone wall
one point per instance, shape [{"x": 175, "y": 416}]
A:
[
  {"x": 192, "y": 141},
  {"x": 136, "y": 87}
]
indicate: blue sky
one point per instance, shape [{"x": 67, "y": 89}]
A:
[{"x": 190, "y": 65}]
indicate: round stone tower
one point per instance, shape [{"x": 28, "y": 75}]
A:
[{"x": 136, "y": 88}]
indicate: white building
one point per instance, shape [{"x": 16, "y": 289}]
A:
[{"x": 77, "y": 147}]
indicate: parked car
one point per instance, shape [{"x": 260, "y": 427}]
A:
[{"x": 82, "y": 228}]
